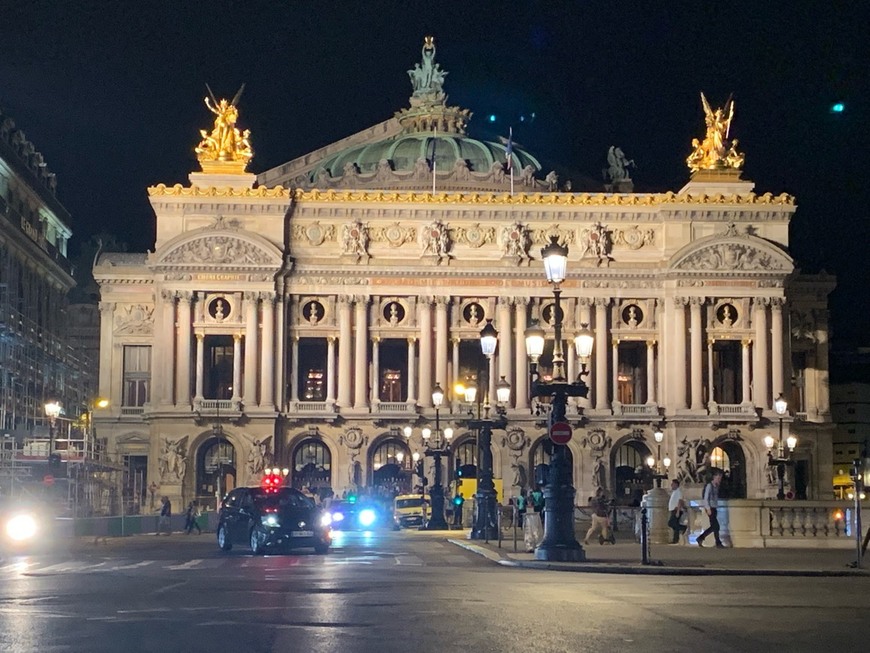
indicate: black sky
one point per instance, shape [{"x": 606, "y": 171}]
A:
[{"x": 111, "y": 93}]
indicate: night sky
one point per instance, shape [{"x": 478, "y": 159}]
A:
[{"x": 112, "y": 94}]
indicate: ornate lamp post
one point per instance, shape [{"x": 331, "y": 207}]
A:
[
  {"x": 559, "y": 542},
  {"x": 656, "y": 463},
  {"x": 436, "y": 448},
  {"x": 53, "y": 410},
  {"x": 486, "y": 518},
  {"x": 783, "y": 457}
]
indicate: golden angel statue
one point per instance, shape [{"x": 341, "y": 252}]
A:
[
  {"x": 225, "y": 142},
  {"x": 715, "y": 151}
]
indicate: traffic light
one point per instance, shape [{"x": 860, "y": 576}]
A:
[
  {"x": 458, "y": 500},
  {"x": 54, "y": 464}
]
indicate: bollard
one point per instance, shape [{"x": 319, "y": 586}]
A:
[{"x": 644, "y": 536}]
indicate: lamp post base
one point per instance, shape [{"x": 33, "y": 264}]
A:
[
  {"x": 561, "y": 553},
  {"x": 436, "y": 522},
  {"x": 485, "y": 518}
]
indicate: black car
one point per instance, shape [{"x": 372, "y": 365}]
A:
[
  {"x": 267, "y": 518},
  {"x": 350, "y": 516}
]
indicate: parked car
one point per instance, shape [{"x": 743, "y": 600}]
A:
[
  {"x": 410, "y": 510},
  {"x": 271, "y": 518}
]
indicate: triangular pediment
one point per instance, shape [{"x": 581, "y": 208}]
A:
[{"x": 730, "y": 253}]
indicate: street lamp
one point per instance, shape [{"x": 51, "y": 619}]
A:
[
  {"x": 486, "y": 516},
  {"x": 656, "y": 463},
  {"x": 559, "y": 542},
  {"x": 53, "y": 410},
  {"x": 783, "y": 457},
  {"x": 436, "y": 448}
]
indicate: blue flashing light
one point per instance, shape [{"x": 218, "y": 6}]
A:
[
  {"x": 838, "y": 107},
  {"x": 492, "y": 117}
]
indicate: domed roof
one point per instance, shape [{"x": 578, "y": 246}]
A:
[{"x": 404, "y": 151}]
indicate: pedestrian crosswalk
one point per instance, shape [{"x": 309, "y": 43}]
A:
[{"x": 36, "y": 567}]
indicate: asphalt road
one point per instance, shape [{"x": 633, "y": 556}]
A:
[{"x": 386, "y": 592}]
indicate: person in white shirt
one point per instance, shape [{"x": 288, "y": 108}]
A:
[
  {"x": 676, "y": 508},
  {"x": 710, "y": 501}
]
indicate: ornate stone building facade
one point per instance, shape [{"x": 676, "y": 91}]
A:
[{"x": 302, "y": 318}]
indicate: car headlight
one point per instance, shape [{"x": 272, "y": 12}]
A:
[
  {"x": 269, "y": 520},
  {"x": 337, "y": 516},
  {"x": 367, "y": 517},
  {"x": 21, "y": 528},
  {"x": 325, "y": 519}
]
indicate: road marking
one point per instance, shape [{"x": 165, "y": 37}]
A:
[
  {"x": 409, "y": 561},
  {"x": 169, "y": 587},
  {"x": 135, "y": 565},
  {"x": 190, "y": 564}
]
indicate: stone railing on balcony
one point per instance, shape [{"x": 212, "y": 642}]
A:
[
  {"x": 733, "y": 411},
  {"x": 315, "y": 407},
  {"x": 779, "y": 524},
  {"x": 215, "y": 406},
  {"x": 635, "y": 410},
  {"x": 393, "y": 408},
  {"x": 132, "y": 410}
]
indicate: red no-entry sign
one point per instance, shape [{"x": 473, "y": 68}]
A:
[
  {"x": 48, "y": 479},
  {"x": 560, "y": 432}
]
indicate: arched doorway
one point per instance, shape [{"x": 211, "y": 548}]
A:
[
  {"x": 312, "y": 467},
  {"x": 465, "y": 459},
  {"x": 631, "y": 476},
  {"x": 540, "y": 454},
  {"x": 215, "y": 471},
  {"x": 391, "y": 468},
  {"x": 728, "y": 457}
]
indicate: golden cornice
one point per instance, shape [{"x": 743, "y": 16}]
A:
[{"x": 502, "y": 199}]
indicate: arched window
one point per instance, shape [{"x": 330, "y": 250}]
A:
[
  {"x": 465, "y": 459},
  {"x": 728, "y": 457},
  {"x": 215, "y": 471},
  {"x": 540, "y": 455},
  {"x": 391, "y": 467},
  {"x": 631, "y": 476},
  {"x": 312, "y": 465}
]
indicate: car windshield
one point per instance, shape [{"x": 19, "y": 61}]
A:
[
  {"x": 284, "y": 497},
  {"x": 415, "y": 502}
]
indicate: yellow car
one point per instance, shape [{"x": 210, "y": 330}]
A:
[{"x": 410, "y": 510}]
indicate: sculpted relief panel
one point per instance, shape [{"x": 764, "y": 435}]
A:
[{"x": 219, "y": 250}]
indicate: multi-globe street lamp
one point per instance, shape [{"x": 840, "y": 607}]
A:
[
  {"x": 783, "y": 457},
  {"x": 486, "y": 516},
  {"x": 436, "y": 445},
  {"x": 559, "y": 542},
  {"x": 53, "y": 409},
  {"x": 658, "y": 462}
]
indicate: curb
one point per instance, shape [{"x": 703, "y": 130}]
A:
[{"x": 652, "y": 569}]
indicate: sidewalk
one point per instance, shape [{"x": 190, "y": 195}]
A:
[{"x": 625, "y": 557}]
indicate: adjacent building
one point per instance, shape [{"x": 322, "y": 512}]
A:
[{"x": 302, "y": 318}]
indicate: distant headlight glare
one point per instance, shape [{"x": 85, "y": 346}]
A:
[
  {"x": 269, "y": 520},
  {"x": 21, "y": 527},
  {"x": 367, "y": 517},
  {"x": 325, "y": 520}
]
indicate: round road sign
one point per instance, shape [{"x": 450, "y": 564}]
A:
[
  {"x": 560, "y": 432},
  {"x": 48, "y": 479}
]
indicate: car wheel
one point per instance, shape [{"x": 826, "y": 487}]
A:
[
  {"x": 258, "y": 542},
  {"x": 321, "y": 548},
  {"x": 223, "y": 538}
]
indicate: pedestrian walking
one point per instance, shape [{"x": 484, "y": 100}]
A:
[
  {"x": 165, "y": 519},
  {"x": 458, "y": 501},
  {"x": 521, "y": 507},
  {"x": 677, "y": 510},
  {"x": 600, "y": 518},
  {"x": 191, "y": 518},
  {"x": 710, "y": 503},
  {"x": 536, "y": 498}
]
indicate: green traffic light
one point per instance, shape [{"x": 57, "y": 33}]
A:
[{"x": 838, "y": 107}]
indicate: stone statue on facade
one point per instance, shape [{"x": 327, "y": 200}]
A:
[
  {"x": 355, "y": 240},
  {"x": 172, "y": 462},
  {"x": 516, "y": 241},
  {"x": 260, "y": 456},
  {"x": 225, "y": 142},
  {"x": 436, "y": 240}
]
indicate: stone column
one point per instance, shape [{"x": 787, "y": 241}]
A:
[
  {"x": 267, "y": 360},
  {"x": 330, "y": 369},
  {"x": 361, "y": 361},
  {"x": 614, "y": 368},
  {"x": 505, "y": 356},
  {"x": 376, "y": 371},
  {"x": 454, "y": 343},
  {"x": 761, "y": 393},
  {"x": 651, "y": 372},
  {"x": 679, "y": 349},
  {"x": 252, "y": 332},
  {"x": 520, "y": 390},
  {"x": 697, "y": 353},
  {"x": 344, "y": 351},
  {"x": 490, "y": 364},
  {"x": 281, "y": 349},
  {"x": 294, "y": 371},
  {"x": 777, "y": 349},
  {"x": 237, "y": 368},
  {"x": 167, "y": 352},
  {"x": 710, "y": 371},
  {"x": 442, "y": 334},
  {"x": 425, "y": 393},
  {"x": 185, "y": 326},
  {"x": 412, "y": 389},
  {"x": 601, "y": 399},
  {"x": 744, "y": 369},
  {"x": 200, "y": 365},
  {"x": 107, "y": 326}
]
